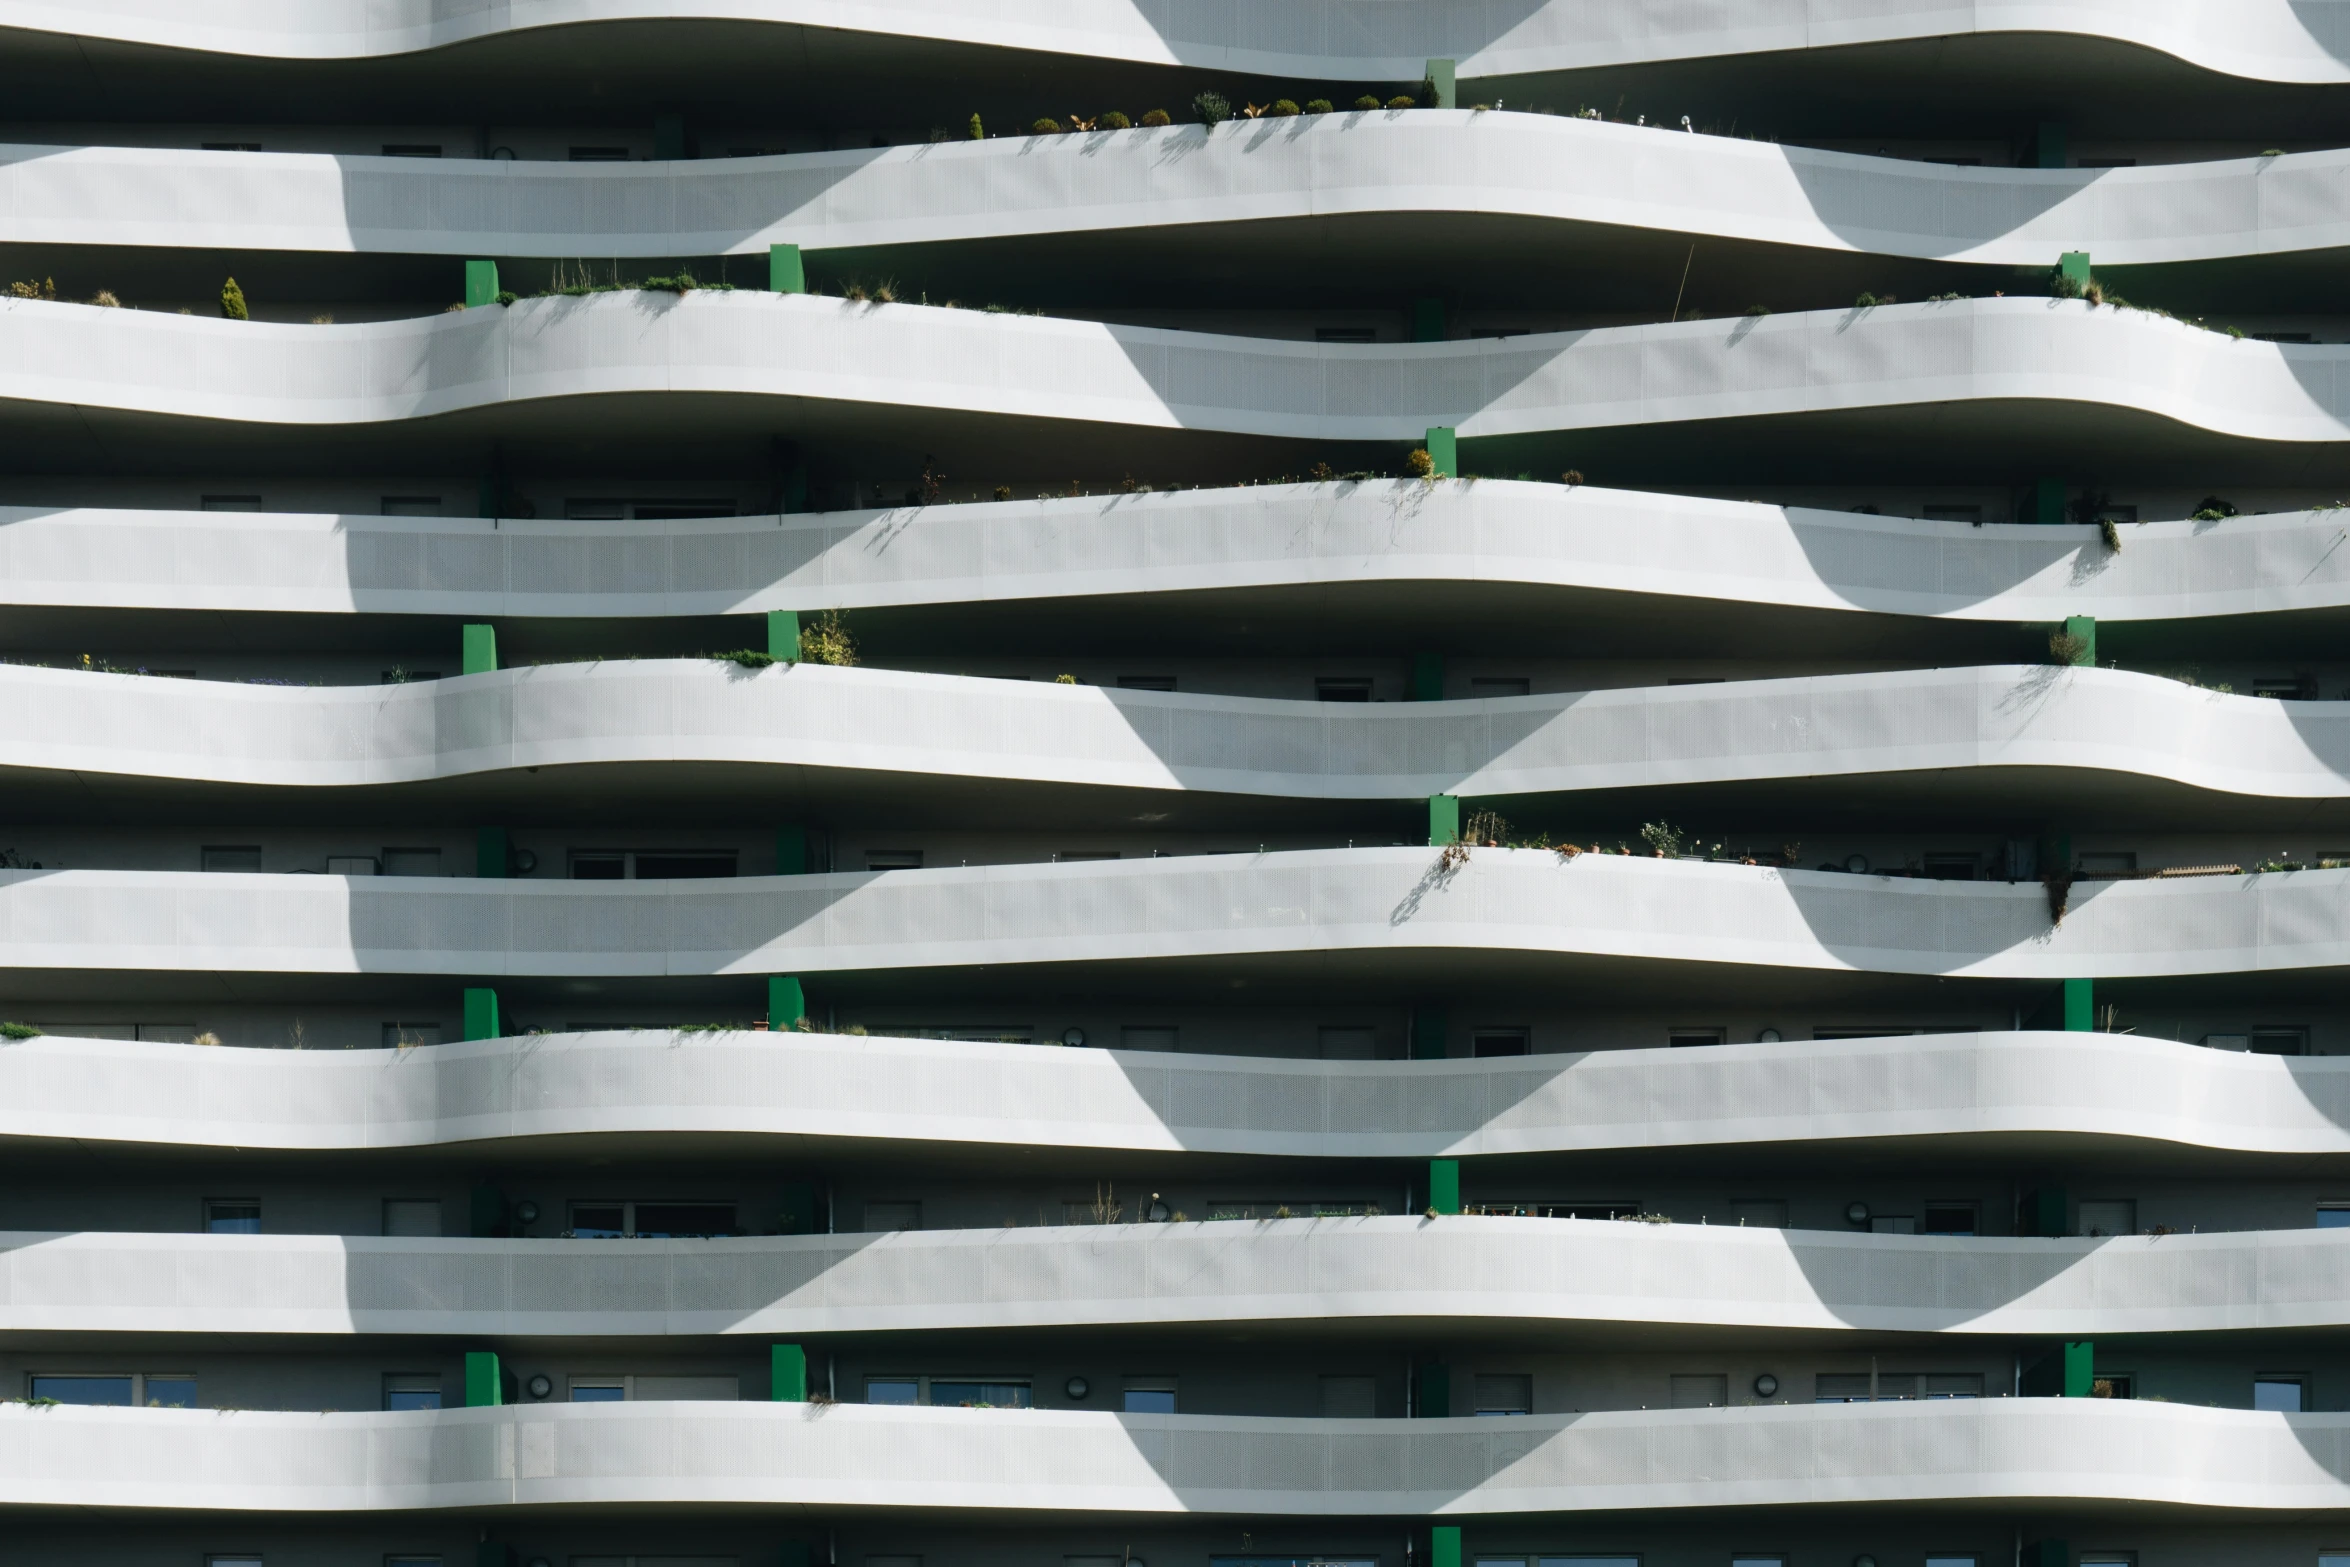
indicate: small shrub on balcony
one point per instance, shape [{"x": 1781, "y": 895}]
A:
[
  {"x": 46, "y": 288},
  {"x": 1211, "y": 108},
  {"x": 1319, "y": 106},
  {"x": 1419, "y": 464},
  {"x": 2213, "y": 509},
  {"x": 1112, "y": 120},
  {"x": 826, "y": 640},
  {"x": 232, "y": 302},
  {"x": 1282, "y": 109},
  {"x": 749, "y": 658},
  {"x": 19, "y": 1031},
  {"x": 1403, "y": 101},
  {"x": 978, "y": 131},
  {"x": 2066, "y": 649},
  {"x": 105, "y": 299},
  {"x": 1046, "y": 127},
  {"x": 1157, "y": 118},
  {"x": 1366, "y": 103}
]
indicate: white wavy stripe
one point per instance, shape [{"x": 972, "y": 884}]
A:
[
  {"x": 1187, "y": 541},
  {"x": 919, "y": 1090},
  {"x": 909, "y": 723},
  {"x": 2274, "y": 40},
  {"x": 1519, "y": 1271},
  {"x": 1328, "y": 901},
  {"x": 913, "y": 1460},
  {"x": 1520, "y": 166},
  {"x": 760, "y": 345}
]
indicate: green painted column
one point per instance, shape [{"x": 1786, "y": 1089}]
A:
[
  {"x": 1444, "y": 450},
  {"x": 796, "y": 1214},
  {"x": 786, "y": 273},
  {"x": 2048, "y": 1553},
  {"x": 481, "y": 1014},
  {"x": 1444, "y": 1545},
  {"x": 2080, "y": 1005},
  {"x": 2080, "y": 1368},
  {"x": 1427, "y": 677},
  {"x": 1441, "y": 77},
  {"x": 2046, "y": 505},
  {"x": 482, "y": 1379},
  {"x": 797, "y": 1553},
  {"x": 1427, "y": 320},
  {"x": 787, "y": 1003},
  {"x": 490, "y": 852},
  {"x": 2048, "y": 145},
  {"x": 2074, "y": 265},
  {"x": 668, "y": 138},
  {"x": 1432, "y": 1390},
  {"x": 791, "y": 851},
  {"x": 485, "y": 1211},
  {"x": 2083, "y": 629},
  {"x": 493, "y": 1553},
  {"x": 1444, "y": 1185},
  {"x": 787, "y": 1373},
  {"x": 481, "y": 284},
  {"x": 2045, "y": 1212},
  {"x": 1444, "y": 820},
  {"x": 1429, "y": 1033},
  {"x": 481, "y": 650},
  {"x": 783, "y": 635}
]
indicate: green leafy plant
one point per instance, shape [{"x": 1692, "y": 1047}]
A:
[
  {"x": 105, "y": 298},
  {"x": 2066, "y": 649},
  {"x": 1282, "y": 109},
  {"x": 232, "y": 302},
  {"x": 1112, "y": 120},
  {"x": 1419, "y": 464},
  {"x": 2212, "y": 509},
  {"x": 826, "y": 640},
  {"x": 1867, "y": 301},
  {"x": 44, "y": 289},
  {"x": 1366, "y": 103},
  {"x": 506, "y": 296},
  {"x": 1064, "y": 680},
  {"x": 1319, "y": 106},
  {"x": 19, "y": 1031},
  {"x": 1666, "y": 841},
  {"x": 978, "y": 131},
  {"x": 1403, "y": 101},
  {"x": 1211, "y": 108},
  {"x": 683, "y": 283},
  {"x": 1156, "y": 118},
  {"x": 748, "y": 657},
  {"x": 1046, "y": 127},
  {"x": 1003, "y": 492},
  {"x": 1758, "y": 310}
]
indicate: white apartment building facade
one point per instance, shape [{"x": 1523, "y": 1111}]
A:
[{"x": 1346, "y": 783}]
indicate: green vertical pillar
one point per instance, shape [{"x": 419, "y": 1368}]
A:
[
  {"x": 783, "y": 635},
  {"x": 1432, "y": 1390},
  {"x": 1440, "y": 77},
  {"x": 797, "y": 1553},
  {"x": 787, "y": 1003},
  {"x": 2048, "y": 1553},
  {"x": 1444, "y": 450},
  {"x": 493, "y": 1553},
  {"x": 2080, "y": 1368},
  {"x": 481, "y": 284},
  {"x": 796, "y": 1215},
  {"x": 1428, "y": 1033},
  {"x": 791, "y": 851},
  {"x": 1444, "y": 1185},
  {"x": 1427, "y": 320},
  {"x": 2080, "y": 1005},
  {"x": 2083, "y": 629},
  {"x": 481, "y": 649},
  {"x": 668, "y": 138},
  {"x": 787, "y": 1373},
  {"x": 1444, "y": 820},
  {"x": 2074, "y": 264},
  {"x": 2048, "y": 145},
  {"x": 482, "y": 1389},
  {"x": 2045, "y": 1212},
  {"x": 786, "y": 273},
  {"x": 489, "y": 852},
  {"x": 481, "y": 1013},
  {"x": 1427, "y": 677},
  {"x": 2046, "y": 505},
  {"x": 1444, "y": 1545},
  {"x": 485, "y": 1211}
]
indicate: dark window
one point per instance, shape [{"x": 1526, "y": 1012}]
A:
[
  {"x": 683, "y": 867},
  {"x": 1695, "y": 680},
  {"x": 1500, "y": 1042},
  {"x": 232, "y": 146},
  {"x": 412, "y": 149},
  {"x": 1146, "y": 682},
  {"x": 684, "y": 1218},
  {"x": 231, "y": 857},
  {"x": 2284, "y": 688},
  {"x": 231, "y": 503},
  {"x": 412, "y": 505},
  {"x": 1510, "y": 1393},
  {"x": 1346, "y": 334},
  {"x": 234, "y": 1216},
  {"x": 2108, "y": 163},
  {"x": 599, "y": 154},
  {"x": 83, "y": 1390},
  {"x": 412, "y": 1390},
  {"x": 1947, "y": 1218},
  {"x": 893, "y": 859},
  {"x": 674, "y": 511},
  {"x": 2280, "y": 1041},
  {"x": 599, "y": 867},
  {"x": 1973, "y": 514},
  {"x": 1678, "y": 1038},
  {"x": 1342, "y": 688},
  {"x": 1501, "y": 685},
  {"x": 1951, "y": 865}
]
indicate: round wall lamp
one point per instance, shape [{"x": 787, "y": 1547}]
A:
[
  {"x": 1073, "y": 1037},
  {"x": 1856, "y": 1213},
  {"x": 526, "y": 1212},
  {"x": 1857, "y": 864},
  {"x": 1864, "y": 1561},
  {"x": 1766, "y": 1386},
  {"x": 539, "y": 1386},
  {"x": 1077, "y": 1387},
  {"x": 1769, "y": 1036}
]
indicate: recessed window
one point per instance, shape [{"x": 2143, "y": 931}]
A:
[
  {"x": 1948, "y": 1218},
  {"x": 2109, "y": 1216},
  {"x": 1149, "y": 1395},
  {"x": 654, "y": 1220},
  {"x": 2278, "y": 1042},
  {"x": 2112, "y": 1386},
  {"x": 1500, "y": 1042},
  {"x": 412, "y": 1216},
  {"x": 1082, "y": 856},
  {"x": 232, "y": 1216},
  {"x": 412, "y": 149},
  {"x": 1498, "y": 331},
  {"x": 1952, "y": 865},
  {"x": 412, "y": 1390},
  {"x": 1350, "y": 1398},
  {"x": 2280, "y": 1393},
  {"x": 412, "y": 505},
  {"x": 230, "y": 857},
  {"x": 231, "y": 503},
  {"x": 1346, "y": 334},
  {"x": 1969, "y": 514},
  {"x": 599, "y": 1390},
  {"x": 1681, "y": 1038},
  {"x": 1501, "y": 685},
  {"x": 2333, "y": 1215},
  {"x": 2106, "y": 163},
  {"x": 1146, "y": 682},
  {"x": 412, "y": 862},
  {"x": 949, "y": 1392},
  {"x": 1696, "y": 680},
  {"x": 1346, "y": 1042},
  {"x": 1342, "y": 688},
  {"x": 1854, "y": 1387},
  {"x": 232, "y": 146},
  {"x": 1759, "y": 1213},
  {"x": 679, "y": 511},
  {"x": 895, "y": 1214},
  {"x": 1505, "y": 1393},
  {"x": 2283, "y": 688},
  {"x": 1147, "y": 1036},
  {"x": 166, "y": 1390},
  {"x": 1893, "y": 1224},
  {"x": 2285, "y": 337},
  {"x": 651, "y": 864},
  {"x": 599, "y": 155},
  {"x": 1700, "y": 1390},
  {"x": 893, "y": 859}
]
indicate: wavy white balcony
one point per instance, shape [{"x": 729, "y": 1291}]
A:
[
  {"x": 2000, "y": 718},
  {"x": 1371, "y": 906},
  {"x": 762, "y": 346},
  {"x": 647, "y": 1455},
  {"x": 1524, "y": 167},
  {"x": 1498, "y": 1271},
  {"x": 2273, "y": 40},
  {"x": 1307, "y": 536},
  {"x": 789, "y": 1085}
]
